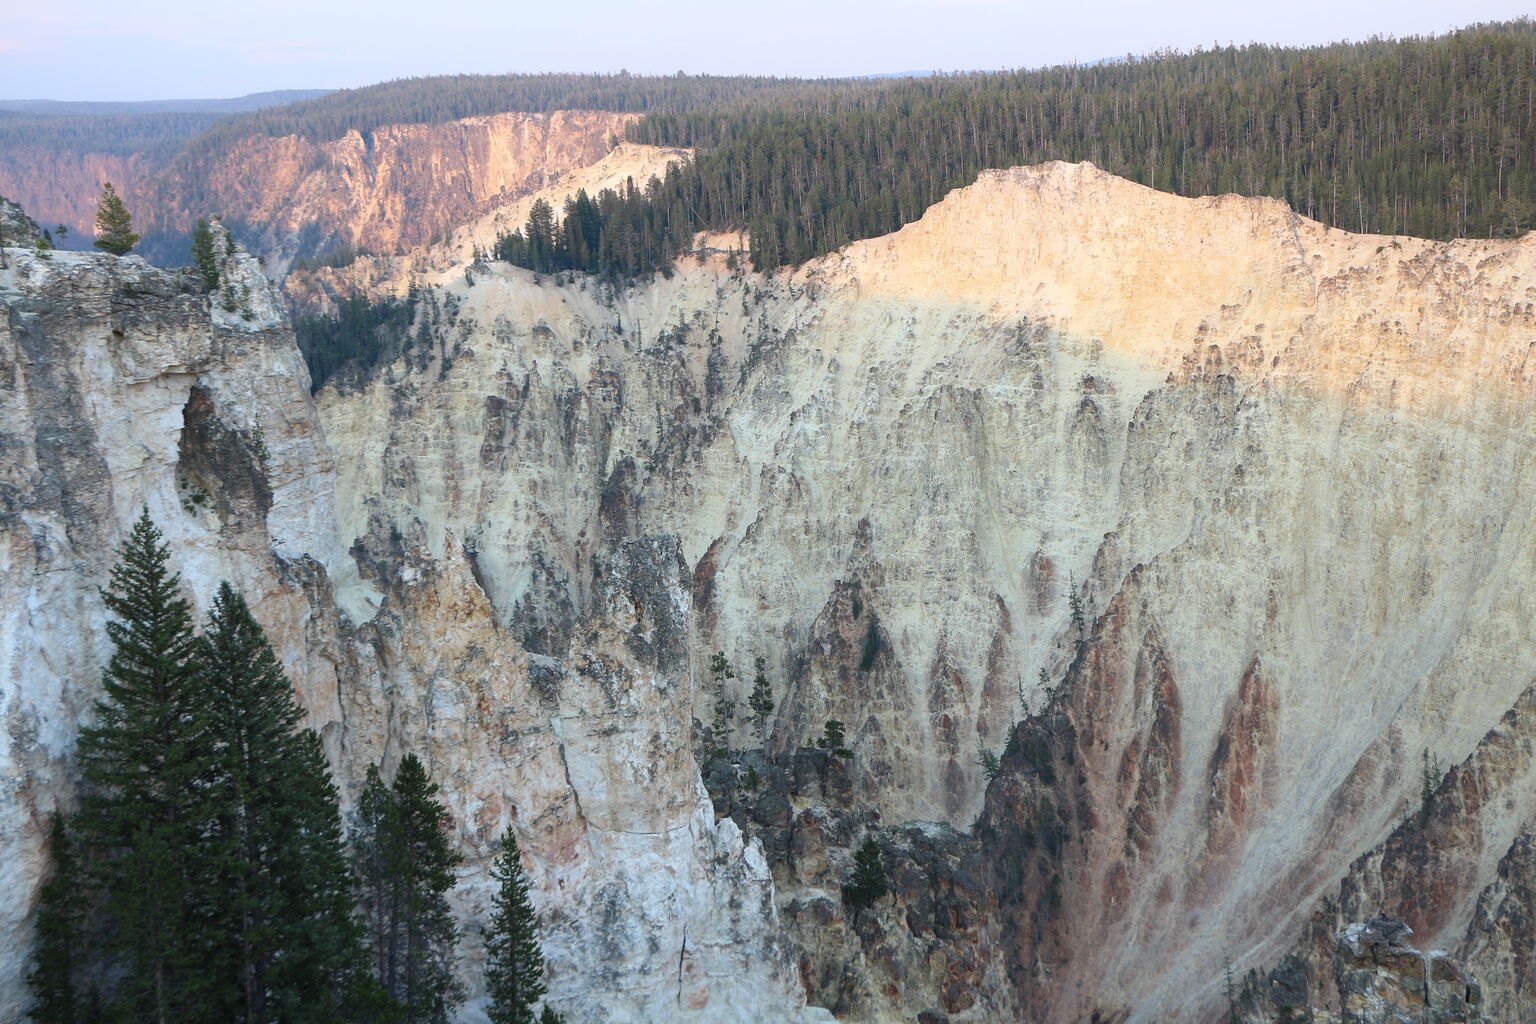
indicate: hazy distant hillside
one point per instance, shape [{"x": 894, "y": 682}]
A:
[
  {"x": 234, "y": 105},
  {"x": 55, "y": 154}
]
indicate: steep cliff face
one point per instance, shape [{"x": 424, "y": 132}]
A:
[
  {"x": 390, "y": 188},
  {"x": 651, "y": 910},
  {"x": 1280, "y": 468},
  {"x": 126, "y": 387}
]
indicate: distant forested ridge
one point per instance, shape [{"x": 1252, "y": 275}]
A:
[
  {"x": 157, "y": 129},
  {"x": 1433, "y": 137},
  {"x": 232, "y": 105},
  {"x": 158, "y": 137}
]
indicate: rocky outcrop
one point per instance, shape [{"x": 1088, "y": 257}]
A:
[
  {"x": 1433, "y": 872},
  {"x": 1376, "y": 977},
  {"x": 649, "y": 908},
  {"x": 16, "y": 228},
  {"x": 1381, "y": 977},
  {"x": 932, "y": 946}
]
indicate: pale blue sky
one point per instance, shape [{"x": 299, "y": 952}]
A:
[{"x": 156, "y": 49}]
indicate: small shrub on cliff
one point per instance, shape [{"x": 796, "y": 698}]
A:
[
  {"x": 761, "y": 699},
  {"x": 725, "y": 708},
  {"x": 834, "y": 738},
  {"x": 1431, "y": 774}
]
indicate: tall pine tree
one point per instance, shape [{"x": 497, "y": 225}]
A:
[
  {"x": 286, "y": 909},
  {"x": 60, "y": 951},
  {"x": 204, "y": 257},
  {"x": 148, "y": 765},
  {"x": 405, "y": 869},
  {"x": 514, "y": 971}
]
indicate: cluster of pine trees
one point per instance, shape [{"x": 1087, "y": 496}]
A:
[
  {"x": 621, "y": 234},
  {"x": 207, "y": 875},
  {"x": 360, "y": 334},
  {"x": 1434, "y": 137}
]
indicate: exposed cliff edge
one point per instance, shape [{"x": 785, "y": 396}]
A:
[{"x": 1229, "y": 508}]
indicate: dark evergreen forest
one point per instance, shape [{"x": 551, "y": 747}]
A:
[{"x": 1432, "y": 137}]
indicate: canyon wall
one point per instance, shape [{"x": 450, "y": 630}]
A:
[
  {"x": 61, "y": 187},
  {"x": 1224, "y": 510},
  {"x": 390, "y": 188},
  {"x": 1278, "y": 469},
  {"x": 126, "y": 387}
]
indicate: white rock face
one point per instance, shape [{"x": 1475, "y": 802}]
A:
[
  {"x": 650, "y": 909},
  {"x": 104, "y": 362}
]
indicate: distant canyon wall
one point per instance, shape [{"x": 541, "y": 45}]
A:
[{"x": 390, "y": 188}]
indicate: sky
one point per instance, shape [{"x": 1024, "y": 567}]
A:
[{"x": 162, "y": 49}]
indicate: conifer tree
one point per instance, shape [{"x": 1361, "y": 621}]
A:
[
  {"x": 204, "y": 258},
  {"x": 868, "y": 883},
  {"x": 114, "y": 224},
  {"x": 514, "y": 976},
  {"x": 405, "y": 869},
  {"x": 374, "y": 836},
  {"x": 59, "y": 953},
  {"x": 148, "y": 763},
  {"x": 761, "y": 698},
  {"x": 285, "y": 905},
  {"x": 725, "y": 708}
]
